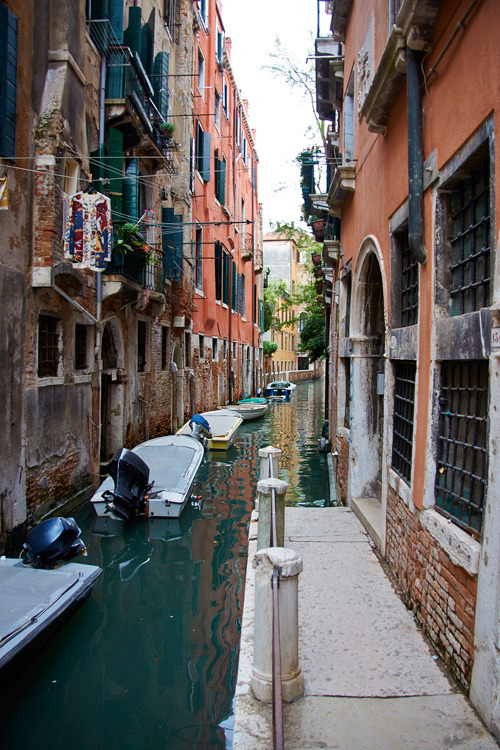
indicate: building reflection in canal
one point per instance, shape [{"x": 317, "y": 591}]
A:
[{"x": 151, "y": 659}]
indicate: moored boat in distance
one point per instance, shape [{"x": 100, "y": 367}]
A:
[
  {"x": 221, "y": 431},
  {"x": 280, "y": 390},
  {"x": 249, "y": 410},
  {"x": 155, "y": 479}
]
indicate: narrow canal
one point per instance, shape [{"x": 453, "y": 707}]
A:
[{"x": 150, "y": 660}]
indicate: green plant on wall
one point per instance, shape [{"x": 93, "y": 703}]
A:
[{"x": 128, "y": 239}]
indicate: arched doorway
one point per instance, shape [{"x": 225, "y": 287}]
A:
[
  {"x": 368, "y": 327},
  {"x": 111, "y": 410}
]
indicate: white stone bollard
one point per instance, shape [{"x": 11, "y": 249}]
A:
[
  {"x": 265, "y": 489},
  {"x": 289, "y": 564},
  {"x": 269, "y": 456}
]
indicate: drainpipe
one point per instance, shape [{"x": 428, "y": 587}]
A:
[{"x": 415, "y": 154}]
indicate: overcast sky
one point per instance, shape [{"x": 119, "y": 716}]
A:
[{"x": 278, "y": 114}]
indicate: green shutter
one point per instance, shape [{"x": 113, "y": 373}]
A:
[
  {"x": 147, "y": 43},
  {"x": 218, "y": 271},
  {"x": 131, "y": 191},
  {"x": 172, "y": 238},
  {"x": 222, "y": 182},
  {"x": 114, "y": 171},
  {"x": 132, "y": 36},
  {"x": 225, "y": 287},
  {"x": 160, "y": 83},
  {"x": 205, "y": 157},
  {"x": 116, "y": 19},
  {"x": 8, "y": 82},
  {"x": 234, "y": 287}
]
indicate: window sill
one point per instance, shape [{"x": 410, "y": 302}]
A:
[
  {"x": 42, "y": 382},
  {"x": 462, "y": 549}
]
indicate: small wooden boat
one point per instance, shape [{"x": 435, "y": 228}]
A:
[
  {"x": 35, "y": 596},
  {"x": 249, "y": 410},
  {"x": 154, "y": 479},
  {"x": 221, "y": 431},
  {"x": 253, "y": 400}
]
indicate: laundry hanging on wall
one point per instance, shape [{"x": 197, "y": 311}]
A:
[{"x": 88, "y": 237}]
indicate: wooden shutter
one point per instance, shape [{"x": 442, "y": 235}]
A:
[
  {"x": 160, "y": 82},
  {"x": 8, "y": 82},
  {"x": 218, "y": 271},
  {"x": 131, "y": 190},
  {"x": 172, "y": 234},
  {"x": 116, "y": 19},
  {"x": 205, "y": 157},
  {"x": 114, "y": 172},
  {"x": 225, "y": 281}
]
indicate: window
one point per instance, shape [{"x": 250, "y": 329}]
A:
[
  {"x": 402, "y": 430},
  {"x": 349, "y": 122},
  {"x": 164, "y": 347},
  {"x": 141, "y": 345},
  {"x": 470, "y": 217},
  {"x": 201, "y": 74},
  {"x": 80, "y": 347},
  {"x": 409, "y": 283},
  {"x": 217, "y": 109},
  {"x": 203, "y": 8},
  {"x": 170, "y": 13},
  {"x": 242, "y": 296},
  {"x": 463, "y": 443},
  {"x": 244, "y": 150},
  {"x": 201, "y": 346},
  {"x": 220, "y": 45},
  {"x": 203, "y": 153},
  {"x": 242, "y": 225},
  {"x": 198, "y": 270},
  {"x": 8, "y": 82},
  {"x": 160, "y": 83},
  {"x": 225, "y": 98},
  {"x": 224, "y": 349},
  {"x": 220, "y": 178},
  {"x": 48, "y": 346},
  {"x": 215, "y": 349}
]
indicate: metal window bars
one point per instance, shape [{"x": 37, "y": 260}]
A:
[
  {"x": 461, "y": 474},
  {"x": 402, "y": 431}
]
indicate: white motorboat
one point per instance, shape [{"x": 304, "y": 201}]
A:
[
  {"x": 155, "y": 479},
  {"x": 217, "y": 429},
  {"x": 35, "y": 596},
  {"x": 280, "y": 390}
]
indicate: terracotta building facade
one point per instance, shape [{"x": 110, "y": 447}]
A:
[
  {"x": 99, "y": 127},
  {"x": 413, "y": 307}
]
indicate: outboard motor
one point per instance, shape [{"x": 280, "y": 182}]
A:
[
  {"x": 52, "y": 540},
  {"x": 131, "y": 477},
  {"x": 200, "y": 429}
]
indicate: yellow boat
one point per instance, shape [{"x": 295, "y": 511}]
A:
[{"x": 223, "y": 425}]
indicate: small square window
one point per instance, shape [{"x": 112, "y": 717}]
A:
[
  {"x": 48, "y": 346},
  {"x": 164, "y": 347},
  {"x": 80, "y": 347}
]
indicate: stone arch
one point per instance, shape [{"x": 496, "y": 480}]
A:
[{"x": 368, "y": 327}]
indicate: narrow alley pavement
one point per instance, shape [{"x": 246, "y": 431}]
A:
[{"x": 371, "y": 680}]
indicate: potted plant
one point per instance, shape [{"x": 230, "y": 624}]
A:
[
  {"x": 128, "y": 239},
  {"x": 167, "y": 128}
]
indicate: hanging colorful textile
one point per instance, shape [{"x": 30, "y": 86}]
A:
[
  {"x": 89, "y": 230},
  {"x": 4, "y": 194}
]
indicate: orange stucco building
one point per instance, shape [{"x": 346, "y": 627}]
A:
[
  {"x": 226, "y": 352},
  {"x": 411, "y": 90}
]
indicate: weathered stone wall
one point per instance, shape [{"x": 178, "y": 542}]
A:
[{"x": 441, "y": 594}]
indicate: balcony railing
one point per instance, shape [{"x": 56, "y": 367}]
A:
[
  {"x": 127, "y": 81},
  {"x": 150, "y": 275}
]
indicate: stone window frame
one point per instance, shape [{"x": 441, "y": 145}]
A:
[
  {"x": 40, "y": 344},
  {"x": 143, "y": 347}
]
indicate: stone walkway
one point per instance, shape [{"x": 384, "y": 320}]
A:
[{"x": 371, "y": 680}]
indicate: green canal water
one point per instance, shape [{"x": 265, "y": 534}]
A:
[{"x": 150, "y": 660}]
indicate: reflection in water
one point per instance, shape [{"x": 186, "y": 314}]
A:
[{"x": 150, "y": 660}]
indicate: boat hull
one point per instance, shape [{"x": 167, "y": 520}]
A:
[
  {"x": 173, "y": 462},
  {"x": 35, "y": 602},
  {"x": 223, "y": 424},
  {"x": 249, "y": 411}
]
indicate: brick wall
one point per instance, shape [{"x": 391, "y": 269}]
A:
[
  {"x": 441, "y": 594},
  {"x": 342, "y": 468}
]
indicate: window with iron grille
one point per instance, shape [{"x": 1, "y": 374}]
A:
[
  {"x": 48, "y": 346},
  {"x": 470, "y": 216},
  {"x": 402, "y": 429},
  {"x": 141, "y": 345},
  {"x": 462, "y": 444},
  {"x": 409, "y": 284},
  {"x": 80, "y": 347}
]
